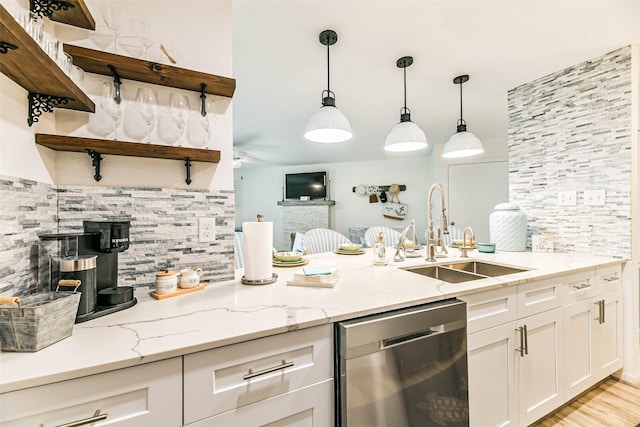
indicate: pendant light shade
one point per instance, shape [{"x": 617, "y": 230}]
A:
[
  {"x": 406, "y": 135},
  {"x": 463, "y": 143},
  {"x": 328, "y": 124}
]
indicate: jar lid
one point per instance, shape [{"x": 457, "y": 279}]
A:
[
  {"x": 166, "y": 273},
  {"x": 507, "y": 207}
]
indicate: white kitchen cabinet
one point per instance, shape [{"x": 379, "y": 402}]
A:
[
  {"x": 540, "y": 365},
  {"x": 573, "y": 339},
  {"x": 593, "y": 334},
  {"x": 310, "y": 406},
  {"x": 145, "y": 395},
  {"x": 236, "y": 377},
  {"x": 607, "y": 348},
  {"x": 593, "y": 330},
  {"x": 492, "y": 377}
]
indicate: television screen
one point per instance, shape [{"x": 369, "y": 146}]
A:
[{"x": 312, "y": 184}]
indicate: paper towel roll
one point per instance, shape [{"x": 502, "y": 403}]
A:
[{"x": 257, "y": 238}]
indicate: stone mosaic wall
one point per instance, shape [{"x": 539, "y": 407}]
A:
[
  {"x": 164, "y": 232},
  {"x": 571, "y": 131},
  {"x": 300, "y": 218},
  {"x": 27, "y": 209}
]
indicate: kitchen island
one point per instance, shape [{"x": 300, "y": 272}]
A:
[{"x": 231, "y": 313}]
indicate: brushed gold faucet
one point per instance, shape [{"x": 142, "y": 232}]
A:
[
  {"x": 435, "y": 243},
  {"x": 465, "y": 248}
]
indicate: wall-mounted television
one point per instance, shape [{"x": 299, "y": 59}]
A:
[{"x": 311, "y": 184}]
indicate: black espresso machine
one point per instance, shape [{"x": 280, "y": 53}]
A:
[{"x": 102, "y": 241}]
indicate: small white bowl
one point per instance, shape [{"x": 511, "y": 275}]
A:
[
  {"x": 350, "y": 246},
  {"x": 287, "y": 256}
]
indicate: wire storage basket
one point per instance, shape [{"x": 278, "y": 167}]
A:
[{"x": 36, "y": 321}]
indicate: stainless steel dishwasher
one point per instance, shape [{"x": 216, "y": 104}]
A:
[{"x": 406, "y": 367}]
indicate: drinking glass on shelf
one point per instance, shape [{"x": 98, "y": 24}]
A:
[
  {"x": 145, "y": 32},
  {"x": 147, "y": 105},
  {"x": 110, "y": 106},
  {"x": 114, "y": 18},
  {"x": 179, "y": 108},
  {"x": 133, "y": 123},
  {"x": 32, "y": 24},
  {"x": 197, "y": 129},
  {"x": 100, "y": 124},
  {"x": 199, "y": 126},
  {"x": 167, "y": 129}
]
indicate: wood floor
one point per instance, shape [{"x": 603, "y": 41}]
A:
[{"x": 610, "y": 404}]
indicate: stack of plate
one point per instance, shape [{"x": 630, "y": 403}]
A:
[
  {"x": 288, "y": 259},
  {"x": 350, "y": 249}
]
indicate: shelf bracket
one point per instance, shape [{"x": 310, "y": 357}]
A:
[
  {"x": 203, "y": 97},
  {"x": 95, "y": 162},
  {"x": 46, "y": 8},
  {"x": 5, "y": 47},
  {"x": 187, "y": 165},
  {"x": 116, "y": 83},
  {"x": 39, "y": 103}
]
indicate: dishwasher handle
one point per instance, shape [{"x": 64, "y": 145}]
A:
[{"x": 427, "y": 333}]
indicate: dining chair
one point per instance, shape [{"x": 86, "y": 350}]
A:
[
  {"x": 322, "y": 240},
  {"x": 391, "y": 237},
  {"x": 238, "y": 250}
]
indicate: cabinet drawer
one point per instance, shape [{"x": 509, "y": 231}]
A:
[
  {"x": 580, "y": 286},
  {"x": 608, "y": 279},
  {"x": 308, "y": 406},
  {"x": 541, "y": 295},
  {"x": 146, "y": 395},
  {"x": 226, "y": 378},
  {"x": 490, "y": 308}
]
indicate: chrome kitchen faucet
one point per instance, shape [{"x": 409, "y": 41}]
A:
[{"x": 435, "y": 240}]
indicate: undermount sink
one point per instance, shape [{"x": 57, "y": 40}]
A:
[
  {"x": 464, "y": 271},
  {"x": 484, "y": 268}
]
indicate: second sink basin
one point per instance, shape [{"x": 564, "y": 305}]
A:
[
  {"x": 484, "y": 268},
  {"x": 464, "y": 271}
]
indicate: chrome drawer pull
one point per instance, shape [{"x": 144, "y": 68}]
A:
[
  {"x": 252, "y": 374},
  {"x": 96, "y": 417},
  {"x": 611, "y": 278},
  {"x": 526, "y": 340}
]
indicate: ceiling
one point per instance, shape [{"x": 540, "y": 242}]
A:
[{"x": 281, "y": 69}]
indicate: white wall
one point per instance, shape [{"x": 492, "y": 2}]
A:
[
  {"x": 258, "y": 189},
  {"x": 201, "y": 30}
]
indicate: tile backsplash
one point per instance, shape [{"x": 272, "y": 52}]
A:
[
  {"x": 163, "y": 234},
  {"x": 571, "y": 131}
]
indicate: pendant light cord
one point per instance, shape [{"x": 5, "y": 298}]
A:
[
  {"x": 461, "y": 120},
  {"x": 405, "y": 88},
  {"x": 328, "y": 73}
]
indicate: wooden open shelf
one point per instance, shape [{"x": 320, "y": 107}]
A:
[
  {"x": 122, "y": 148},
  {"x": 30, "y": 67},
  {"x": 95, "y": 61},
  {"x": 78, "y": 15}
]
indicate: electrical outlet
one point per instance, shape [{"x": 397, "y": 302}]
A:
[
  {"x": 567, "y": 198},
  {"x": 206, "y": 230}
]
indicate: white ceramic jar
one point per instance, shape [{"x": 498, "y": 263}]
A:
[
  {"x": 508, "y": 228},
  {"x": 166, "y": 282}
]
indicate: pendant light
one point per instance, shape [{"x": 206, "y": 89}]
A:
[
  {"x": 328, "y": 124},
  {"x": 463, "y": 143},
  {"x": 406, "y": 135}
]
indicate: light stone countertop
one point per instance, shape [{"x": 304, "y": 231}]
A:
[{"x": 230, "y": 312}]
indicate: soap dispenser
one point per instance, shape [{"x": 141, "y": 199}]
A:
[{"x": 379, "y": 251}]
